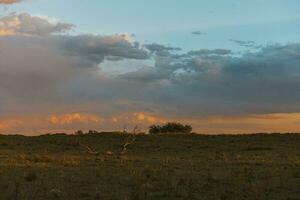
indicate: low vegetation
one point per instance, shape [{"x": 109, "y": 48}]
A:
[
  {"x": 169, "y": 166},
  {"x": 170, "y": 128}
]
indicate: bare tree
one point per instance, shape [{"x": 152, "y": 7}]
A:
[{"x": 130, "y": 140}]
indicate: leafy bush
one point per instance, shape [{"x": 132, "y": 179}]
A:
[{"x": 172, "y": 127}]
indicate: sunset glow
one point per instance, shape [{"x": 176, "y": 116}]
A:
[
  {"x": 265, "y": 123},
  {"x": 115, "y": 65}
]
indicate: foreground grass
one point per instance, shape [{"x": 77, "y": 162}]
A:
[{"x": 154, "y": 167}]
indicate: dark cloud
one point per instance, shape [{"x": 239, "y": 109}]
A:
[
  {"x": 97, "y": 48},
  {"x": 161, "y": 50},
  {"x": 204, "y": 52},
  {"x": 57, "y": 73},
  {"x": 32, "y": 73},
  {"x": 263, "y": 82},
  {"x": 246, "y": 43},
  {"x": 158, "y": 47},
  {"x": 198, "y": 33},
  {"x": 145, "y": 75}
]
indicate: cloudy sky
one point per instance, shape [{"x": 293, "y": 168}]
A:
[{"x": 223, "y": 66}]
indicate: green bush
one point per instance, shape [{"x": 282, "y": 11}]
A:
[{"x": 171, "y": 127}]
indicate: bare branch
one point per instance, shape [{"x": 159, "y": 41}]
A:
[
  {"x": 89, "y": 150},
  {"x": 129, "y": 140}
]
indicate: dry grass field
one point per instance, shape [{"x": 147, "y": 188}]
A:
[{"x": 173, "y": 167}]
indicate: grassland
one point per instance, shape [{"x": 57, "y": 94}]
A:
[{"x": 153, "y": 167}]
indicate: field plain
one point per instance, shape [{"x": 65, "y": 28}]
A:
[{"x": 153, "y": 167}]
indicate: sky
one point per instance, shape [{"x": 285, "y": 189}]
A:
[{"x": 222, "y": 66}]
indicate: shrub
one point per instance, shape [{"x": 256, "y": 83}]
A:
[
  {"x": 79, "y": 132},
  {"x": 171, "y": 127},
  {"x": 92, "y": 132},
  {"x": 155, "y": 129}
]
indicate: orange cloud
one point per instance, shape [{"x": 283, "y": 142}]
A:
[
  {"x": 276, "y": 122},
  {"x": 9, "y": 1},
  {"x": 4, "y": 32},
  {"x": 143, "y": 117},
  {"x": 28, "y": 25},
  {"x": 73, "y": 118},
  {"x": 9, "y": 124},
  {"x": 39, "y": 124},
  {"x": 115, "y": 119},
  {"x": 138, "y": 117}
]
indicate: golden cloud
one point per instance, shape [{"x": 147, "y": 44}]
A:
[
  {"x": 9, "y": 1},
  {"x": 68, "y": 123},
  {"x": 28, "y": 25},
  {"x": 9, "y": 124},
  {"x": 144, "y": 117},
  {"x": 4, "y": 32},
  {"x": 73, "y": 118}
]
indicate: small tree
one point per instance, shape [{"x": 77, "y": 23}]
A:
[
  {"x": 79, "y": 132},
  {"x": 92, "y": 132},
  {"x": 171, "y": 127},
  {"x": 155, "y": 129}
]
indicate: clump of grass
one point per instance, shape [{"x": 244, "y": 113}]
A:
[
  {"x": 30, "y": 176},
  {"x": 41, "y": 158},
  {"x": 5, "y": 144},
  {"x": 35, "y": 158},
  {"x": 55, "y": 194}
]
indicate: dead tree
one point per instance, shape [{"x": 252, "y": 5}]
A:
[{"x": 129, "y": 140}]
